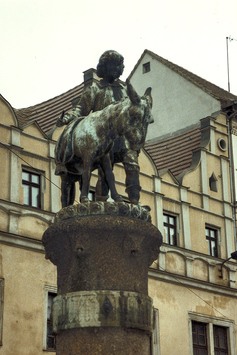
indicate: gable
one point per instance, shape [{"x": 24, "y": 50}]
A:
[
  {"x": 146, "y": 164},
  {"x": 56, "y": 132},
  {"x": 177, "y": 102},
  {"x": 34, "y": 130},
  {"x": 167, "y": 176},
  {"x": 7, "y": 114}
]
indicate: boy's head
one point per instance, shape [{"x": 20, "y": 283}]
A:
[{"x": 110, "y": 66}]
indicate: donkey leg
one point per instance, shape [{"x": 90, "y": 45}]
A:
[
  {"x": 86, "y": 177},
  {"x": 131, "y": 166},
  {"x": 102, "y": 187},
  {"x": 72, "y": 194},
  {"x": 109, "y": 175},
  {"x": 65, "y": 190}
]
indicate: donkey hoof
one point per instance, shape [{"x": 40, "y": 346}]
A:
[
  {"x": 118, "y": 199},
  {"x": 84, "y": 199},
  {"x": 134, "y": 201}
]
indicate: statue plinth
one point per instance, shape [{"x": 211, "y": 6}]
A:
[{"x": 102, "y": 252}]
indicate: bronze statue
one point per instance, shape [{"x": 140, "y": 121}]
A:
[{"x": 112, "y": 133}]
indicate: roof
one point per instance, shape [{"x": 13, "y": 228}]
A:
[
  {"x": 174, "y": 152},
  {"x": 225, "y": 97},
  {"x": 47, "y": 112}
]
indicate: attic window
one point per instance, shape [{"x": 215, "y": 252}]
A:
[
  {"x": 213, "y": 183},
  {"x": 146, "y": 67}
]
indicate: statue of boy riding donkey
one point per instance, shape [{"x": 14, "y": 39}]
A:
[{"x": 107, "y": 126}]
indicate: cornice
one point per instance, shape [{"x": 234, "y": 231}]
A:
[
  {"x": 20, "y": 241},
  {"x": 189, "y": 282}
]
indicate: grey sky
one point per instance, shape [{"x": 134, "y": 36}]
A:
[{"x": 47, "y": 44}]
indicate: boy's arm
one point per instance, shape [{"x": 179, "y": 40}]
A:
[{"x": 82, "y": 109}]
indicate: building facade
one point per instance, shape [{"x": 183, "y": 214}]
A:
[{"x": 186, "y": 175}]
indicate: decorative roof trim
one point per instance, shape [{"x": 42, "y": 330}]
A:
[
  {"x": 196, "y": 156},
  {"x": 162, "y": 172},
  {"x": 35, "y": 123},
  {"x": 151, "y": 160},
  {"x": 12, "y": 110},
  {"x": 174, "y": 152}
]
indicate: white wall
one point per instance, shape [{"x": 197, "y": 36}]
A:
[{"x": 177, "y": 103}]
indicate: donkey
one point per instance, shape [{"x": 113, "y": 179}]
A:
[{"x": 92, "y": 138}]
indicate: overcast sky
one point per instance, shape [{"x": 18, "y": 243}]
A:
[{"x": 47, "y": 44}]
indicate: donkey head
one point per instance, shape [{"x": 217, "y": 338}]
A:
[{"x": 139, "y": 117}]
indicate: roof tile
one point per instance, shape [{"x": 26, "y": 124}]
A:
[
  {"x": 174, "y": 152},
  {"x": 47, "y": 112}
]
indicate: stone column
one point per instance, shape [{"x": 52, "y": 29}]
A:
[{"x": 102, "y": 251}]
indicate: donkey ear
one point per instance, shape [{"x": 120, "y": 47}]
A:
[
  {"x": 148, "y": 95},
  {"x": 134, "y": 97}
]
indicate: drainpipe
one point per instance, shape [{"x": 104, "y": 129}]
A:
[{"x": 232, "y": 174}]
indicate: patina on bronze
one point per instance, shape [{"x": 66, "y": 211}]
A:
[
  {"x": 103, "y": 249},
  {"x": 114, "y": 132}
]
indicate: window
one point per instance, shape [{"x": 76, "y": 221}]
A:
[
  {"x": 49, "y": 342},
  {"x": 220, "y": 340},
  {"x": 213, "y": 183},
  {"x": 211, "y": 335},
  {"x": 170, "y": 229},
  {"x": 211, "y": 237},
  {"x": 199, "y": 332},
  {"x": 50, "y": 334},
  {"x": 146, "y": 67},
  {"x": 200, "y": 345},
  {"x": 32, "y": 188}
]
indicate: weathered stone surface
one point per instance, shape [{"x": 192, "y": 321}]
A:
[
  {"x": 102, "y": 251},
  {"x": 104, "y": 208},
  {"x": 102, "y": 309},
  {"x": 103, "y": 341}
]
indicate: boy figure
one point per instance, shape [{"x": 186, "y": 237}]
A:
[{"x": 96, "y": 97}]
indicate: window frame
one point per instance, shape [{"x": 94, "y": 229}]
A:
[
  {"x": 48, "y": 290},
  {"x": 40, "y": 185},
  {"x": 155, "y": 338},
  {"x": 210, "y": 239},
  {"x": 226, "y": 335},
  {"x": 167, "y": 235},
  {"x": 211, "y": 322},
  {"x": 1, "y": 309},
  {"x": 199, "y": 346}
]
